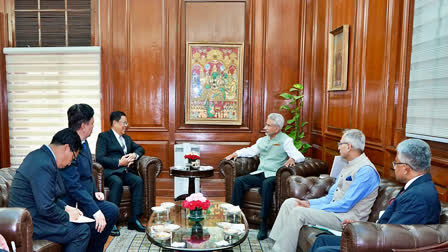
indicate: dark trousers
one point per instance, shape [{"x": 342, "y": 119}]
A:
[
  {"x": 74, "y": 240},
  {"x": 326, "y": 243},
  {"x": 97, "y": 240},
  {"x": 116, "y": 181},
  {"x": 267, "y": 185}
]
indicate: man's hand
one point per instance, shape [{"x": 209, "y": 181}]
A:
[
  {"x": 232, "y": 156},
  {"x": 99, "y": 196},
  {"x": 124, "y": 161},
  {"x": 290, "y": 162},
  {"x": 73, "y": 213},
  {"x": 303, "y": 203},
  {"x": 100, "y": 222},
  {"x": 345, "y": 222},
  {"x": 132, "y": 157}
]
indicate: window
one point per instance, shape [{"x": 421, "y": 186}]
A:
[
  {"x": 42, "y": 84},
  {"x": 49, "y": 23},
  {"x": 427, "y": 113}
]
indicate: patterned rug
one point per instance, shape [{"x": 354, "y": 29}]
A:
[{"x": 131, "y": 240}]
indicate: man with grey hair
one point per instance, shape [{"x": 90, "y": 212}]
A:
[
  {"x": 416, "y": 203},
  {"x": 276, "y": 149},
  {"x": 351, "y": 197}
]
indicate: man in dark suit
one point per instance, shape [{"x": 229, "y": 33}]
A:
[
  {"x": 80, "y": 183},
  {"x": 416, "y": 203},
  {"x": 38, "y": 187},
  {"x": 117, "y": 153}
]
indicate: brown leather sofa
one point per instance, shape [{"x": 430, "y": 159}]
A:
[
  {"x": 16, "y": 223},
  {"x": 231, "y": 169},
  {"x": 368, "y": 236}
]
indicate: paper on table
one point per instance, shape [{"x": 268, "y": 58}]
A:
[
  {"x": 205, "y": 168},
  {"x": 83, "y": 219},
  {"x": 335, "y": 232},
  {"x": 338, "y": 164}
]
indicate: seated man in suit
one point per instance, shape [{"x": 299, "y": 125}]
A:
[
  {"x": 351, "y": 197},
  {"x": 117, "y": 153},
  {"x": 80, "y": 183},
  {"x": 416, "y": 203},
  {"x": 38, "y": 187},
  {"x": 276, "y": 149}
]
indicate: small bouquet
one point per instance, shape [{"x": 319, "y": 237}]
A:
[
  {"x": 192, "y": 156},
  {"x": 196, "y": 201}
]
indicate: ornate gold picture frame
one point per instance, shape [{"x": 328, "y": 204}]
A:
[
  {"x": 338, "y": 58},
  {"x": 214, "y": 83}
]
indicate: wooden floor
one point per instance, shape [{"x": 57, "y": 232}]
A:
[{"x": 159, "y": 201}]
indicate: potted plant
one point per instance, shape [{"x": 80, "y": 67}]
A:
[{"x": 294, "y": 125}]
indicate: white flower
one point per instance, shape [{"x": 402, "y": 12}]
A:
[{"x": 196, "y": 196}]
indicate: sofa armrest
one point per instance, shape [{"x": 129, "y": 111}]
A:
[
  {"x": 98, "y": 174},
  {"x": 16, "y": 225},
  {"x": 149, "y": 168},
  {"x": 367, "y": 236},
  {"x": 309, "y": 167},
  {"x": 231, "y": 169}
]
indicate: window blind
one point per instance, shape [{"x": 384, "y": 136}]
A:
[
  {"x": 42, "y": 84},
  {"x": 427, "y": 111}
]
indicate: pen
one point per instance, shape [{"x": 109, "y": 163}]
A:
[{"x": 76, "y": 205}]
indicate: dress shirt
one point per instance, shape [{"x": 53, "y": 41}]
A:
[
  {"x": 288, "y": 147},
  {"x": 365, "y": 181},
  {"x": 410, "y": 182}
]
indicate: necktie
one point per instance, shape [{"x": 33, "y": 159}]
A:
[
  {"x": 401, "y": 192},
  {"x": 84, "y": 145},
  {"x": 123, "y": 144}
]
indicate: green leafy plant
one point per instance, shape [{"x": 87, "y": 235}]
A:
[{"x": 294, "y": 126}]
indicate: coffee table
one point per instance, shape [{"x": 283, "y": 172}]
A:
[{"x": 188, "y": 232}]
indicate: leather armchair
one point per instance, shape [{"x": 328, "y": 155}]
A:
[
  {"x": 148, "y": 168},
  {"x": 231, "y": 169},
  {"x": 368, "y": 236}
]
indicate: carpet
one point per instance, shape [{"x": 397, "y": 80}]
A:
[{"x": 131, "y": 240}]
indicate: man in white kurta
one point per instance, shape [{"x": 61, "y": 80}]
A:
[{"x": 276, "y": 149}]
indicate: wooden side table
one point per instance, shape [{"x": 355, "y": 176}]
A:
[{"x": 191, "y": 175}]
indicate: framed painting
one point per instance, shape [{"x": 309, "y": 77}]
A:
[
  {"x": 214, "y": 83},
  {"x": 338, "y": 59}
]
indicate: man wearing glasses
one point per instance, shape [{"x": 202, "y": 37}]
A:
[
  {"x": 116, "y": 152},
  {"x": 351, "y": 197},
  {"x": 416, "y": 203},
  {"x": 38, "y": 187}
]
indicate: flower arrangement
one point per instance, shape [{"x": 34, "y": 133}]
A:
[
  {"x": 192, "y": 156},
  {"x": 196, "y": 201}
]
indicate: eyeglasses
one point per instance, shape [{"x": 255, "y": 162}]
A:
[
  {"x": 397, "y": 163},
  {"x": 339, "y": 143},
  {"x": 125, "y": 123}
]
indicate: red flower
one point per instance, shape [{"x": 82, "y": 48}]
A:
[
  {"x": 192, "y": 157},
  {"x": 192, "y": 205}
]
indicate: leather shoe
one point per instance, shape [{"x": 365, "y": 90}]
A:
[
  {"x": 136, "y": 226},
  {"x": 115, "y": 231}
]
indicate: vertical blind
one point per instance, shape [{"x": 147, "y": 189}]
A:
[
  {"x": 427, "y": 112},
  {"x": 42, "y": 84}
]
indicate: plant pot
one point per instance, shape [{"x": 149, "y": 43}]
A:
[{"x": 196, "y": 215}]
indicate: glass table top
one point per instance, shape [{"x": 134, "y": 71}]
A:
[{"x": 218, "y": 229}]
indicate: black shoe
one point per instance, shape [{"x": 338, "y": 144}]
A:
[
  {"x": 263, "y": 233},
  {"x": 115, "y": 231},
  {"x": 136, "y": 226}
]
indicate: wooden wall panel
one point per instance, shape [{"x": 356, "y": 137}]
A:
[{"x": 148, "y": 88}]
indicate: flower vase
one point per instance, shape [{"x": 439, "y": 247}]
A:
[
  {"x": 196, "y": 215},
  {"x": 188, "y": 164},
  {"x": 197, "y": 231}
]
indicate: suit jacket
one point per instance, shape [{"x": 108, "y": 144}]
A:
[
  {"x": 80, "y": 183},
  {"x": 38, "y": 187},
  {"x": 109, "y": 151},
  {"x": 418, "y": 204}
]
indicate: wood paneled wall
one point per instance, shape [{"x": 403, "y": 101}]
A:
[
  {"x": 143, "y": 45},
  {"x": 4, "y": 127},
  {"x": 286, "y": 42},
  {"x": 375, "y": 101}
]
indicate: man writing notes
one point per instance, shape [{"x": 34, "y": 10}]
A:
[
  {"x": 116, "y": 152},
  {"x": 276, "y": 149},
  {"x": 416, "y": 203},
  {"x": 351, "y": 197},
  {"x": 80, "y": 183},
  {"x": 38, "y": 187}
]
